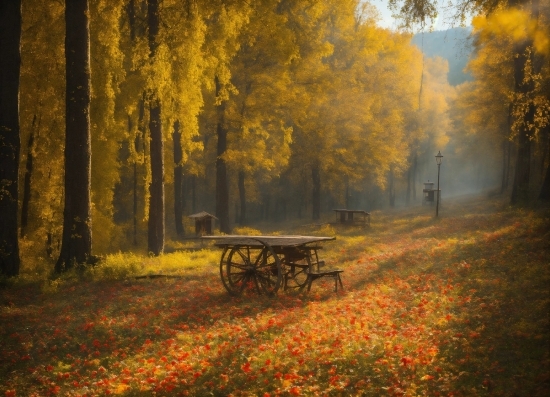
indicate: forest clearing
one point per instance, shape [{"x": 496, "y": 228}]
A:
[
  {"x": 131, "y": 131},
  {"x": 450, "y": 306}
]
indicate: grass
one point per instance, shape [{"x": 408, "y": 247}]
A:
[{"x": 455, "y": 306}]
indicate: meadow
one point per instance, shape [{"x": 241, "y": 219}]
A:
[{"x": 450, "y": 306}]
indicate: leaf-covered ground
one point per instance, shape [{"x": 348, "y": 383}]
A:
[{"x": 455, "y": 306}]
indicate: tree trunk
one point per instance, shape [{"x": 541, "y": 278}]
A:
[
  {"x": 508, "y": 164},
  {"x": 316, "y": 192},
  {"x": 131, "y": 12},
  {"x": 276, "y": 214},
  {"x": 391, "y": 190},
  {"x": 194, "y": 194},
  {"x": 155, "y": 225},
  {"x": 178, "y": 180},
  {"x": 134, "y": 187},
  {"x": 135, "y": 205},
  {"x": 505, "y": 163},
  {"x": 155, "y": 232},
  {"x": 545, "y": 190},
  {"x": 76, "y": 244},
  {"x": 266, "y": 207},
  {"x": 520, "y": 190},
  {"x": 10, "y": 140},
  {"x": 27, "y": 181},
  {"x": 544, "y": 194},
  {"x": 242, "y": 198},
  {"x": 347, "y": 199},
  {"x": 544, "y": 137},
  {"x": 507, "y": 151},
  {"x": 408, "y": 195},
  {"x": 222, "y": 189},
  {"x": 139, "y": 146},
  {"x": 414, "y": 169}
]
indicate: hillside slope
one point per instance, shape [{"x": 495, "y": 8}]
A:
[{"x": 454, "y": 45}]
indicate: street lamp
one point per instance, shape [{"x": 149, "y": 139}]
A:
[{"x": 438, "y": 159}]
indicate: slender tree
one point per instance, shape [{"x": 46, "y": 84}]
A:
[
  {"x": 522, "y": 87},
  {"x": 42, "y": 124},
  {"x": 316, "y": 192},
  {"x": 222, "y": 189},
  {"x": 10, "y": 141},
  {"x": 242, "y": 197},
  {"x": 135, "y": 30},
  {"x": 178, "y": 180},
  {"x": 544, "y": 194},
  {"x": 156, "y": 228}
]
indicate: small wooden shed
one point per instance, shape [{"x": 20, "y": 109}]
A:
[{"x": 203, "y": 223}]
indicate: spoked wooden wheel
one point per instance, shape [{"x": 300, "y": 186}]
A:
[
  {"x": 268, "y": 271},
  {"x": 295, "y": 267},
  {"x": 296, "y": 275},
  {"x": 244, "y": 268},
  {"x": 237, "y": 270}
]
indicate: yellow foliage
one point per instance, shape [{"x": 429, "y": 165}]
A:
[
  {"x": 516, "y": 24},
  {"x": 248, "y": 231}
]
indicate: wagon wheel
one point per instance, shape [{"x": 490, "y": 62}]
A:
[
  {"x": 296, "y": 276},
  {"x": 295, "y": 268},
  {"x": 268, "y": 270},
  {"x": 237, "y": 270}
]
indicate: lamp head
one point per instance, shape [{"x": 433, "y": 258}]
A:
[{"x": 438, "y": 158}]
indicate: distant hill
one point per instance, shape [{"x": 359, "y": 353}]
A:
[{"x": 453, "y": 45}]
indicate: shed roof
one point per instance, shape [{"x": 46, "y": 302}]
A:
[{"x": 202, "y": 214}]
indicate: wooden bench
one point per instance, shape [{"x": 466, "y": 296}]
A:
[{"x": 320, "y": 272}]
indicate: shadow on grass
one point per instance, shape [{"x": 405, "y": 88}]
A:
[{"x": 500, "y": 340}]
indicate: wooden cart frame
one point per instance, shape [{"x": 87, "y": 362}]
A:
[{"x": 267, "y": 263}]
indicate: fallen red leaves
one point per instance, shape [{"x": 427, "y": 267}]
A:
[{"x": 421, "y": 317}]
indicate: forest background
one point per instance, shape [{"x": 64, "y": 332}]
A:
[{"x": 133, "y": 114}]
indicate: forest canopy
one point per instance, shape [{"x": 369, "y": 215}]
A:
[{"x": 258, "y": 111}]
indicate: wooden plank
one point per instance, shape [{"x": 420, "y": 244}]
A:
[
  {"x": 351, "y": 211},
  {"x": 274, "y": 241}
]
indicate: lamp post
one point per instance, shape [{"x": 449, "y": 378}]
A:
[{"x": 438, "y": 159}]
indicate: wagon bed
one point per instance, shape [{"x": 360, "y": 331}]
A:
[{"x": 273, "y": 241}]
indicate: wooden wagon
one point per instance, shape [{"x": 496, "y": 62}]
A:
[{"x": 267, "y": 263}]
